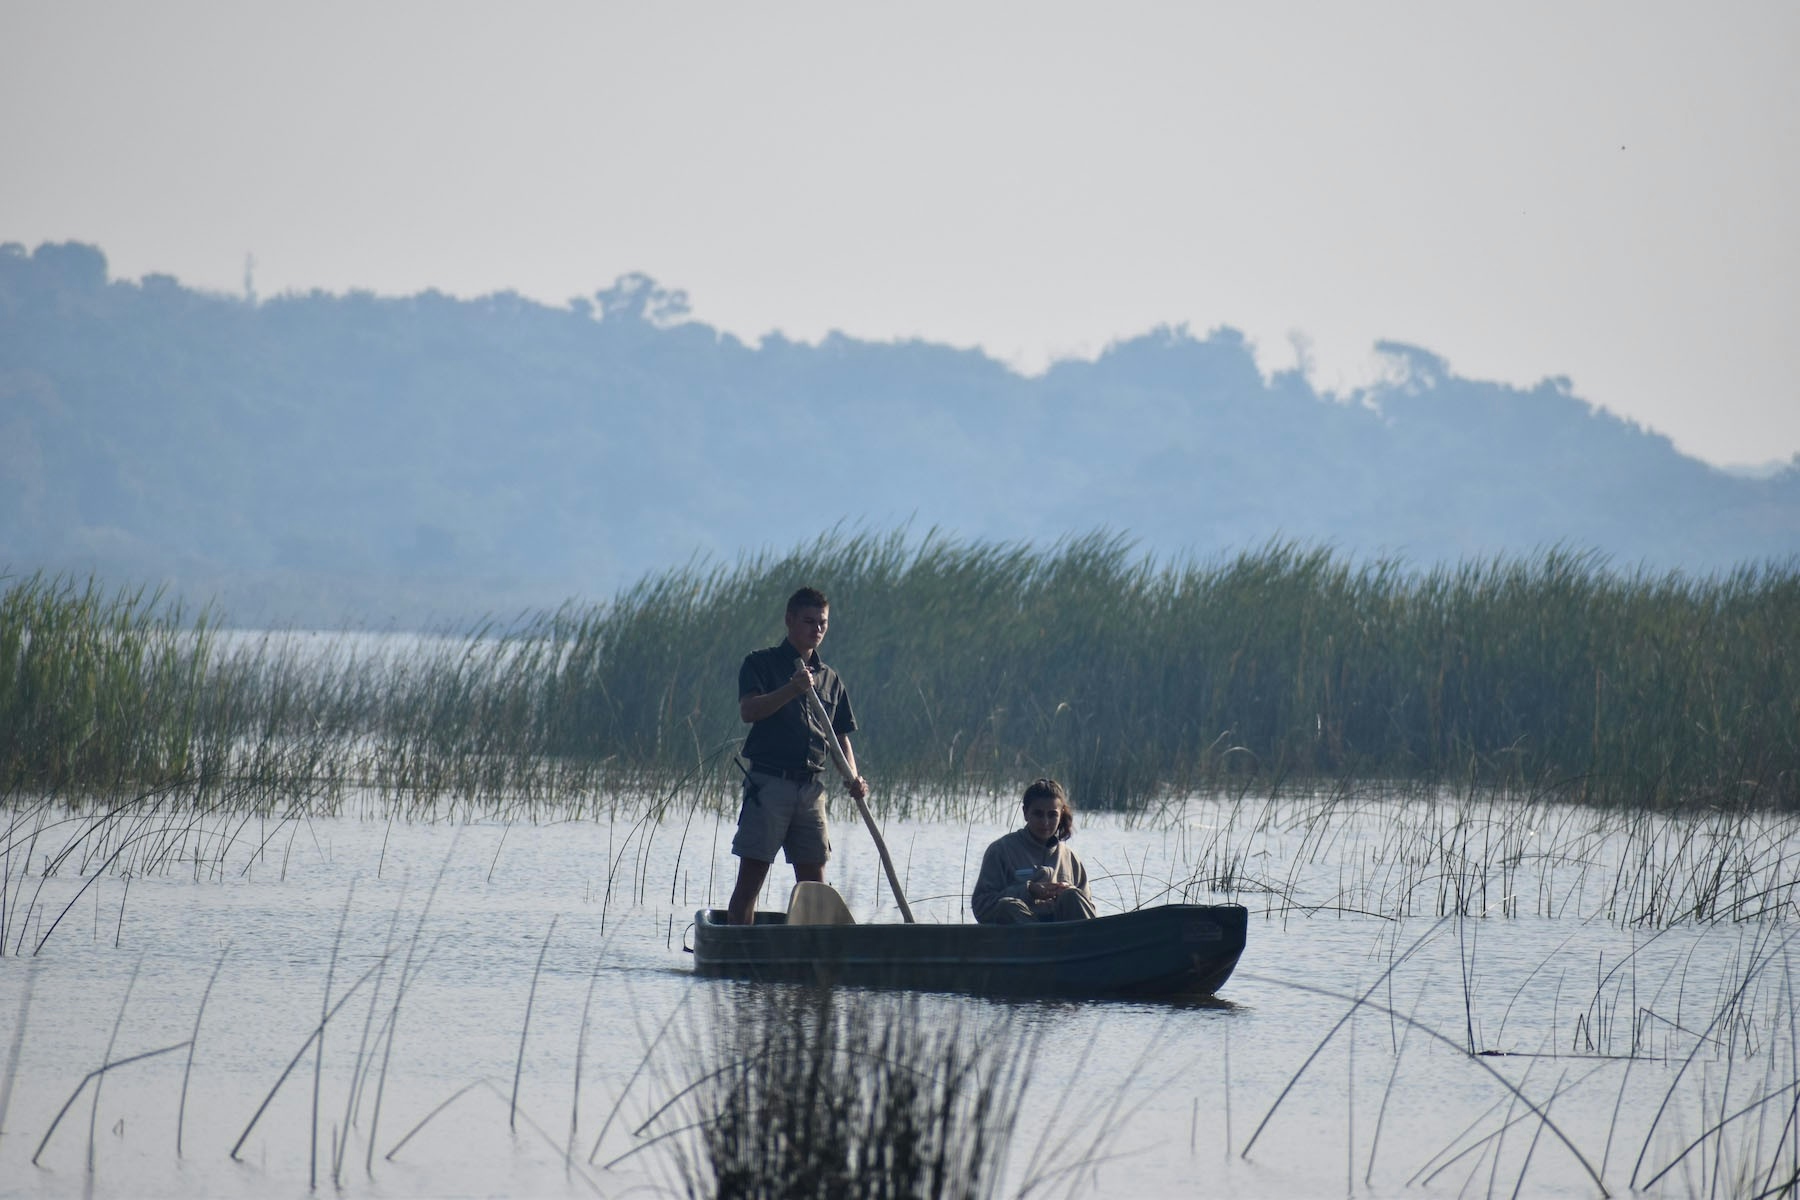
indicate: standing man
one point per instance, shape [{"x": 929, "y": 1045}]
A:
[{"x": 784, "y": 800}]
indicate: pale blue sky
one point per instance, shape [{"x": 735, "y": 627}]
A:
[{"x": 1603, "y": 191}]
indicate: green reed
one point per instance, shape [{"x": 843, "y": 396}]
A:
[
  {"x": 977, "y": 665},
  {"x": 97, "y": 689},
  {"x": 973, "y": 666},
  {"x": 821, "y": 1093}
]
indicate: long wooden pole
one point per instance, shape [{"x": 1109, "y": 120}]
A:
[{"x": 817, "y": 708}]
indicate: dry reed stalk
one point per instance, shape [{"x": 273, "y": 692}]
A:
[
  {"x": 525, "y": 1026},
  {"x": 193, "y": 1041}
]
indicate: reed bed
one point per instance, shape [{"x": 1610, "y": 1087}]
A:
[
  {"x": 817, "y": 1093},
  {"x": 973, "y": 665},
  {"x": 1527, "y": 737},
  {"x": 97, "y": 690}
]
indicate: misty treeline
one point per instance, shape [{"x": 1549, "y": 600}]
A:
[
  {"x": 973, "y": 666},
  {"x": 340, "y": 459}
]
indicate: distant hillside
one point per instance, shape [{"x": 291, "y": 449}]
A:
[{"x": 322, "y": 458}]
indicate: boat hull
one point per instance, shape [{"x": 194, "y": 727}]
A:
[{"x": 1170, "y": 950}]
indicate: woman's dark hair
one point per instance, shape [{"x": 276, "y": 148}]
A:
[{"x": 1049, "y": 789}]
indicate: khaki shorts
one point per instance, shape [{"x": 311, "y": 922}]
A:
[{"x": 782, "y": 814}]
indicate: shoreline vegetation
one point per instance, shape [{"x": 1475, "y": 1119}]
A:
[
  {"x": 1541, "y": 739},
  {"x": 975, "y": 665}
]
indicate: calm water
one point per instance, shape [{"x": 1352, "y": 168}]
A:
[{"x": 1596, "y": 1019}]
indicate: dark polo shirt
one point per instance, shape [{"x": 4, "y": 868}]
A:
[{"x": 785, "y": 738}]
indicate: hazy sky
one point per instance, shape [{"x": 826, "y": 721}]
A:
[{"x": 1605, "y": 191}]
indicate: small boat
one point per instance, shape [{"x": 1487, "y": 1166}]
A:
[{"x": 1169, "y": 950}]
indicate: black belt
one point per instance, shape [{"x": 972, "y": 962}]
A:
[{"x": 800, "y": 775}]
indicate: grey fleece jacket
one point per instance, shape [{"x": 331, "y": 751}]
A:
[{"x": 1009, "y": 862}]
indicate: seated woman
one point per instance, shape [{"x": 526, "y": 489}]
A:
[{"x": 1031, "y": 874}]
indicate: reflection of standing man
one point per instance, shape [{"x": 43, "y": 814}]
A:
[{"x": 784, "y": 802}]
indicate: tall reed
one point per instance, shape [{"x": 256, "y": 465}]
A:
[
  {"x": 977, "y": 664},
  {"x": 820, "y": 1093},
  {"x": 973, "y": 665},
  {"x": 98, "y": 689}
]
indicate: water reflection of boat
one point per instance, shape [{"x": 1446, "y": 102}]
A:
[{"x": 1171, "y": 950}]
